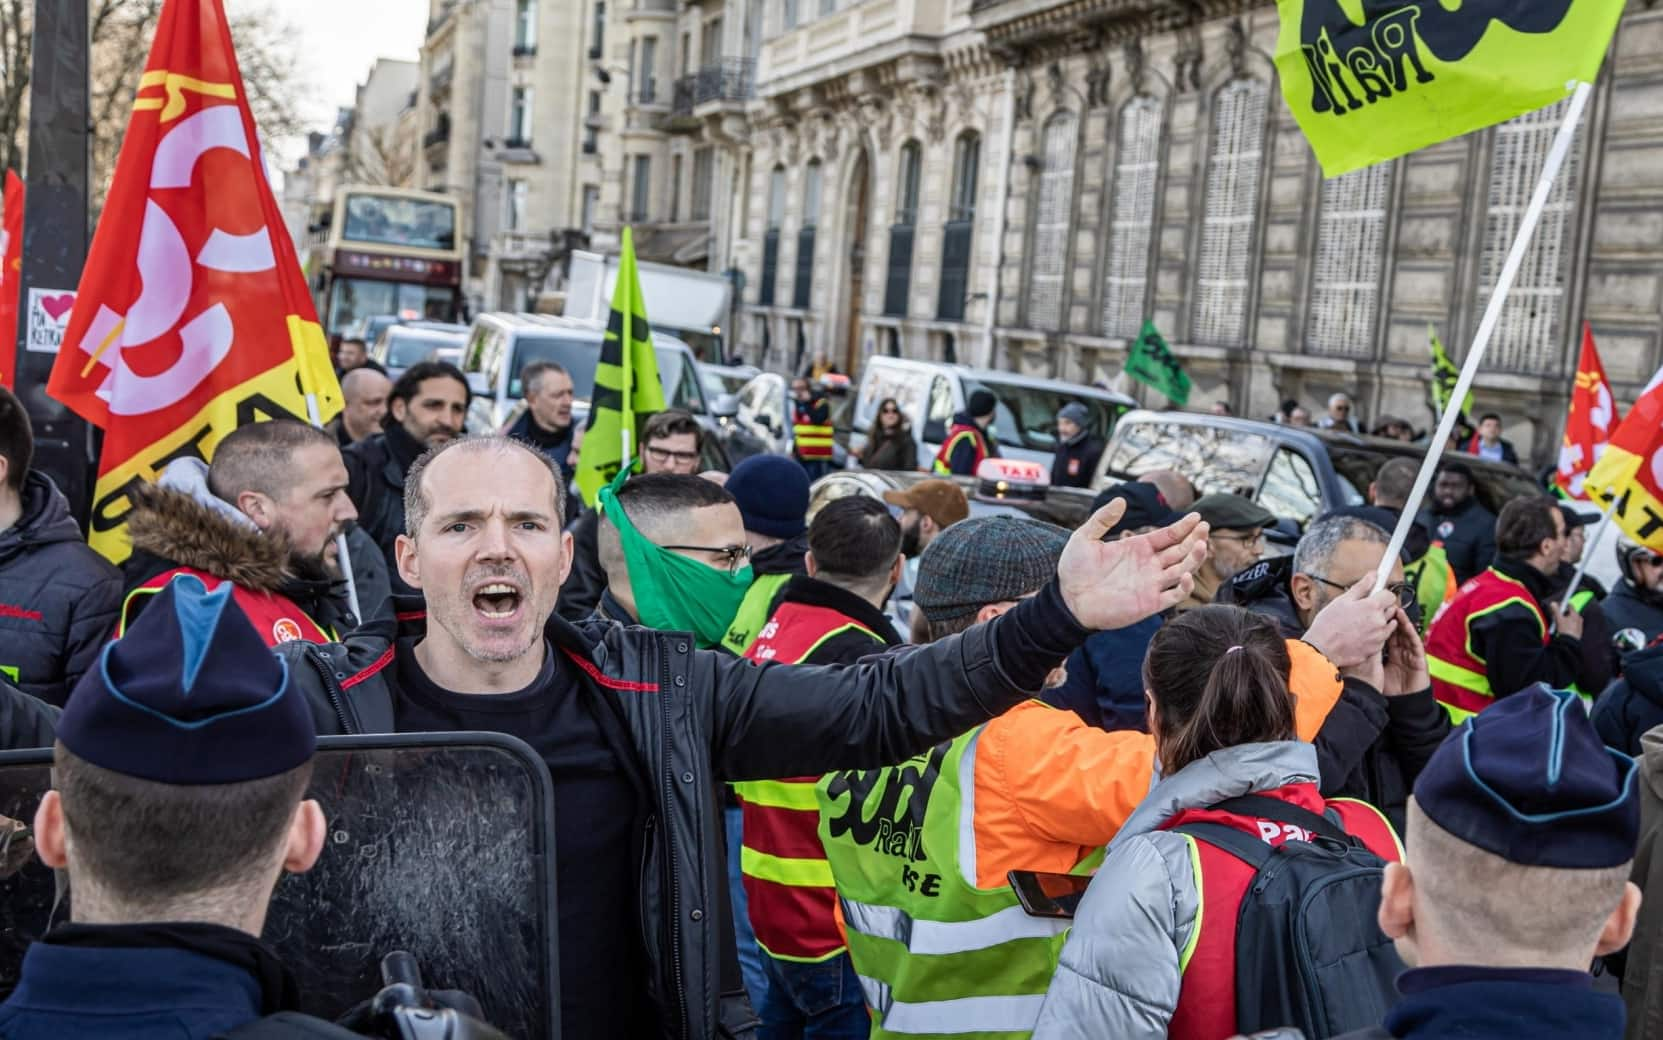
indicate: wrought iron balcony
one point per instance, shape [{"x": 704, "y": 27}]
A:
[{"x": 728, "y": 79}]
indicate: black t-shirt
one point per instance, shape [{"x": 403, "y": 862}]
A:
[{"x": 603, "y": 968}]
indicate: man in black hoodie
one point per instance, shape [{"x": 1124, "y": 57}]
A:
[
  {"x": 58, "y": 598},
  {"x": 1399, "y": 732},
  {"x": 429, "y": 405},
  {"x": 1460, "y": 522}
]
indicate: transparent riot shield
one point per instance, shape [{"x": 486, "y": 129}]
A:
[{"x": 441, "y": 844}]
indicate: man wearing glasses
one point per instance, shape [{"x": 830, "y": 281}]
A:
[
  {"x": 1339, "y": 415},
  {"x": 1376, "y": 740},
  {"x": 671, "y": 442},
  {"x": 1235, "y": 543}
]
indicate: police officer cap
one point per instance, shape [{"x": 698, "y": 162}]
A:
[
  {"x": 1529, "y": 780},
  {"x": 191, "y": 696}
]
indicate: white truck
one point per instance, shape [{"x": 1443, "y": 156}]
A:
[{"x": 690, "y": 305}]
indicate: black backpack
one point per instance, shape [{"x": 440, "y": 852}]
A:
[{"x": 1309, "y": 950}]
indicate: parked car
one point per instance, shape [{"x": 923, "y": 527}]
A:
[
  {"x": 1001, "y": 488},
  {"x": 501, "y": 344},
  {"x": 370, "y": 329},
  {"x": 757, "y": 420},
  {"x": 930, "y": 393},
  {"x": 410, "y": 342},
  {"x": 1296, "y": 472}
]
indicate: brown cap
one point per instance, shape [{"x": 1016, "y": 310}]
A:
[{"x": 940, "y": 500}]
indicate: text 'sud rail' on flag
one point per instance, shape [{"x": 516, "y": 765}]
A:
[
  {"x": 1370, "y": 80},
  {"x": 192, "y": 316}
]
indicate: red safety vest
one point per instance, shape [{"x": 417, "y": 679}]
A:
[
  {"x": 1207, "y": 997},
  {"x": 813, "y": 440},
  {"x": 788, "y": 881},
  {"x": 1460, "y": 678},
  {"x": 955, "y": 436},
  {"x": 277, "y": 618}
]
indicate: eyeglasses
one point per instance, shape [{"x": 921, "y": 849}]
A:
[
  {"x": 1256, "y": 538},
  {"x": 1405, "y": 592},
  {"x": 664, "y": 455},
  {"x": 889, "y": 411},
  {"x": 734, "y": 557}
]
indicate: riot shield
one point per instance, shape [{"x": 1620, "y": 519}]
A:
[{"x": 441, "y": 844}]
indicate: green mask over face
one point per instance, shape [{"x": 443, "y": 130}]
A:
[{"x": 674, "y": 593}]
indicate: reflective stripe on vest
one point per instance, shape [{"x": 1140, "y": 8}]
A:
[
  {"x": 937, "y": 955},
  {"x": 813, "y": 440},
  {"x": 1460, "y": 680},
  {"x": 788, "y": 882},
  {"x": 944, "y": 457}
]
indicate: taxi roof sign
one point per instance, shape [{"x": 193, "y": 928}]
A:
[{"x": 1013, "y": 471}]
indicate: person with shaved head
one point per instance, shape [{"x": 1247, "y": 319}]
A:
[{"x": 365, "y": 392}]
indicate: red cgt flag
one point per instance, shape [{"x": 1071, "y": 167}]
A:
[
  {"x": 11, "y": 274},
  {"x": 192, "y": 317},
  {"x": 1588, "y": 426},
  {"x": 1630, "y": 472}
]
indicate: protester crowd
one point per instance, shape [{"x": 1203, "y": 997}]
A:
[{"x": 800, "y": 762}]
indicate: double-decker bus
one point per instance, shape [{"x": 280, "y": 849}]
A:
[{"x": 387, "y": 253}]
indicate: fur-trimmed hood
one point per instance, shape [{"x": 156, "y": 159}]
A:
[{"x": 174, "y": 526}]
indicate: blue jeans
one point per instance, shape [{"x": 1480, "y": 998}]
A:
[
  {"x": 819, "y": 1001},
  {"x": 750, "y": 956}
]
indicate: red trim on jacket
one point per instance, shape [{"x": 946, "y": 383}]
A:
[
  {"x": 608, "y": 681},
  {"x": 376, "y": 665}
]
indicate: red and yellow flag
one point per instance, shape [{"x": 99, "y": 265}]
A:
[
  {"x": 11, "y": 274},
  {"x": 192, "y": 316},
  {"x": 1631, "y": 469},
  {"x": 1588, "y": 425}
]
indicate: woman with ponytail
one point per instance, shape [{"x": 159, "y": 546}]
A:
[{"x": 1153, "y": 946}]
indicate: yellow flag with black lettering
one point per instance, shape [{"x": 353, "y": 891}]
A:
[
  {"x": 1370, "y": 80},
  {"x": 627, "y": 389}
]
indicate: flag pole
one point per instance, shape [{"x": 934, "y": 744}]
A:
[
  {"x": 1486, "y": 328},
  {"x": 343, "y": 554}
]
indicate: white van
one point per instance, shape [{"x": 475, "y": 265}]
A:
[
  {"x": 930, "y": 393},
  {"x": 501, "y": 344}
]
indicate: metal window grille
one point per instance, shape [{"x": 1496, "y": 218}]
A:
[
  {"x": 1051, "y": 225},
  {"x": 1351, "y": 243},
  {"x": 1131, "y": 226},
  {"x": 1231, "y": 207},
  {"x": 1529, "y": 335}
]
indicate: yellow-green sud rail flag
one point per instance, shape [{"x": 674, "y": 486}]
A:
[
  {"x": 627, "y": 389},
  {"x": 1370, "y": 80},
  {"x": 1445, "y": 373},
  {"x": 1152, "y": 363}
]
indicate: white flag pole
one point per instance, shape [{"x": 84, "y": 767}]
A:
[
  {"x": 342, "y": 553},
  {"x": 1486, "y": 328}
]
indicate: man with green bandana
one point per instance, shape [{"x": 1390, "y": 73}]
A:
[{"x": 637, "y": 724}]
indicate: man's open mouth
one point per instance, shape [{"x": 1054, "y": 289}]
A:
[{"x": 497, "y": 601}]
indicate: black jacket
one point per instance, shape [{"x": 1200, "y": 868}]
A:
[
  {"x": 584, "y": 584},
  {"x": 1371, "y": 746},
  {"x": 1509, "y": 642},
  {"x": 709, "y": 715},
  {"x": 1469, "y": 535},
  {"x": 1633, "y": 704},
  {"x": 1629, "y": 606},
  {"x": 58, "y": 598},
  {"x": 375, "y": 469},
  {"x": 556, "y": 445},
  {"x": 1075, "y": 464},
  {"x": 25, "y": 721},
  {"x": 896, "y": 451}
]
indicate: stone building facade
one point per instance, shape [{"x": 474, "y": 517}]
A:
[{"x": 1081, "y": 166}]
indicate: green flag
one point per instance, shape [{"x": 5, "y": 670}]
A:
[
  {"x": 1444, "y": 375},
  {"x": 1370, "y": 80},
  {"x": 1152, "y": 363},
  {"x": 627, "y": 389}
]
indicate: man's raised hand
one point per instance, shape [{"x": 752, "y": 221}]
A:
[{"x": 1114, "y": 584}]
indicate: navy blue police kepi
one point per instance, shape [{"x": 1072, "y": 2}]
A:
[
  {"x": 189, "y": 696},
  {"x": 1529, "y": 780}
]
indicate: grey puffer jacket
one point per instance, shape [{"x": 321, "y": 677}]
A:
[
  {"x": 695, "y": 717},
  {"x": 58, "y": 598},
  {"x": 1119, "y": 975}
]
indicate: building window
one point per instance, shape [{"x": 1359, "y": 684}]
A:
[
  {"x": 592, "y": 124},
  {"x": 675, "y": 189},
  {"x": 828, "y": 7},
  {"x": 899, "y": 282},
  {"x": 525, "y": 26},
  {"x": 771, "y": 237},
  {"x": 789, "y": 13},
  {"x": 803, "y": 286},
  {"x": 1530, "y": 333},
  {"x": 1052, "y": 222},
  {"x": 648, "y": 84},
  {"x": 514, "y": 219},
  {"x": 710, "y": 43},
  {"x": 519, "y": 118},
  {"x": 1232, "y": 204},
  {"x": 956, "y": 236},
  {"x": 640, "y": 189},
  {"x": 597, "y": 32},
  {"x": 704, "y": 167},
  {"x": 1132, "y": 220},
  {"x": 1351, "y": 243},
  {"x": 591, "y": 202}
]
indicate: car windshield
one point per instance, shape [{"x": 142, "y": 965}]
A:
[
  {"x": 406, "y": 348},
  {"x": 718, "y": 383},
  {"x": 392, "y": 221},
  {"x": 1214, "y": 459},
  {"x": 579, "y": 357},
  {"x": 1027, "y": 415}
]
